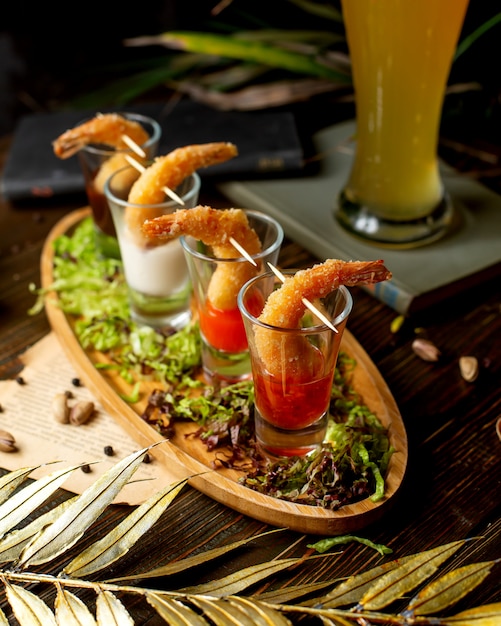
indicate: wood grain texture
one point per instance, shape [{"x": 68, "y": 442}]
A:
[{"x": 186, "y": 456}]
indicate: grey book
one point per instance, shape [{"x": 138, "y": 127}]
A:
[{"x": 304, "y": 206}]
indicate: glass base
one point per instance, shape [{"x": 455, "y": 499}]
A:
[
  {"x": 359, "y": 220},
  {"x": 227, "y": 367},
  {"x": 159, "y": 321},
  {"x": 275, "y": 442},
  {"x": 162, "y": 313}
]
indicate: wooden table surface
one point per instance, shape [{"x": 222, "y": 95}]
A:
[{"x": 452, "y": 489}]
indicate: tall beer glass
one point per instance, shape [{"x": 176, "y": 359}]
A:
[{"x": 401, "y": 53}]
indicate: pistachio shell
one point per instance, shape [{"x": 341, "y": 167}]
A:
[
  {"x": 468, "y": 365},
  {"x": 81, "y": 412},
  {"x": 425, "y": 349},
  {"x": 60, "y": 408},
  {"x": 7, "y": 442}
]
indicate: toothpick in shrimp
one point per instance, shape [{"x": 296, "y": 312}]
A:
[
  {"x": 215, "y": 228},
  {"x": 284, "y": 308}
]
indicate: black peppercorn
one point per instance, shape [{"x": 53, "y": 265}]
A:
[
  {"x": 108, "y": 450},
  {"x": 86, "y": 469},
  {"x": 76, "y": 382}
]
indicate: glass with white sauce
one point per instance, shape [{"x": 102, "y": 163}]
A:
[{"x": 156, "y": 272}]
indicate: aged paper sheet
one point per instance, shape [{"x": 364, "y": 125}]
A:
[{"x": 27, "y": 414}]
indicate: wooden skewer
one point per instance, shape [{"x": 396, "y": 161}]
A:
[
  {"x": 242, "y": 251},
  {"x": 281, "y": 277},
  {"x": 133, "y": 146},
  {"x": 140, "y": 168},
  {"x": 306, "y": 302}
]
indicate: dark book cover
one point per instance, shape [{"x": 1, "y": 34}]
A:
[{"x": 267, "y": 142}]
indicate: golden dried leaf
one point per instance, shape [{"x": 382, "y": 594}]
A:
[
  {"x": 407, "y": 577},
  {"x": 174, "y": 612},
  {"x": 192, "y": 561},
  {"x": 119, "y": 541},
  {"x": 222, "y": 613},
  {"x": 12, "y": 544},
  {"x": 288, "y": 594},
  {"x": 28, "y": 608},
  {"x": 11, "y": 481},
  {"x": 260, "y": 613},
  {"x": 109, "y": 610},
  {"x": 487, "y": 615},
  {"x": 67, "y": 530},
  {"x": 24, "y": 502},
  {"x": 238, "y": 581},
  {"x": 352, "y": 589},
  {"x": 71, "y": 611},
  {"x": 449, "y": 589}
]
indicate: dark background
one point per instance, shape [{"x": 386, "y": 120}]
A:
[{"x": 50, "y": 53}]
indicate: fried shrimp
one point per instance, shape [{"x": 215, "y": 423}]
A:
[
  {"x": 214, "y": 227},
  {"x": 284, "y": 308},
  {"x": 112, "y": 165},
  {"x": 171, "y": 169},
  {"x": 107, "y": 129}
]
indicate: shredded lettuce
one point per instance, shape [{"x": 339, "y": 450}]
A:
[{"x": 354, "y": 458}]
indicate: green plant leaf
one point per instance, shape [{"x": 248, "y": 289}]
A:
[
  {"x": 468, "y": 41},
  {"x": 325, "y": 11},
  {"x": 245, "y": 50}
]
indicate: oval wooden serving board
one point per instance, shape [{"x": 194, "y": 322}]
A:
[{"x": 187, "y": 457}]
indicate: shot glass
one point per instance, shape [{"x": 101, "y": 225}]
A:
[
  {"x": 93, "y": 158},
  {"x": 292, "y": 369},
  {"x": 225, "y": 354},
  {"x": 156, "y": 273}
]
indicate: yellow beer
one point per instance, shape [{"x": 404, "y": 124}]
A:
[{"x": 401, "y": 53}]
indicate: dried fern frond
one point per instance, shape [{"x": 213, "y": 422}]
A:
[{"x": 360, "y": 598}]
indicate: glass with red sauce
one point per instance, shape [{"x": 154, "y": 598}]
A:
[
  {"x": 92, "y": 158},
  {"x": 225, "y": 354},
  {"x": 292, "y": 368}
]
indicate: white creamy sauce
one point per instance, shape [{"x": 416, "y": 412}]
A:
[{"x": 158, "y": 271}]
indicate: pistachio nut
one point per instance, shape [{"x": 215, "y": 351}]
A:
[
  {"x": 425, "y": 349},
  {"x": 468, "y": 366},
  {"x": 60, "y": 408},
  {"x": 81, "y": 412},
  {"x": 7, "y": 442}
]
